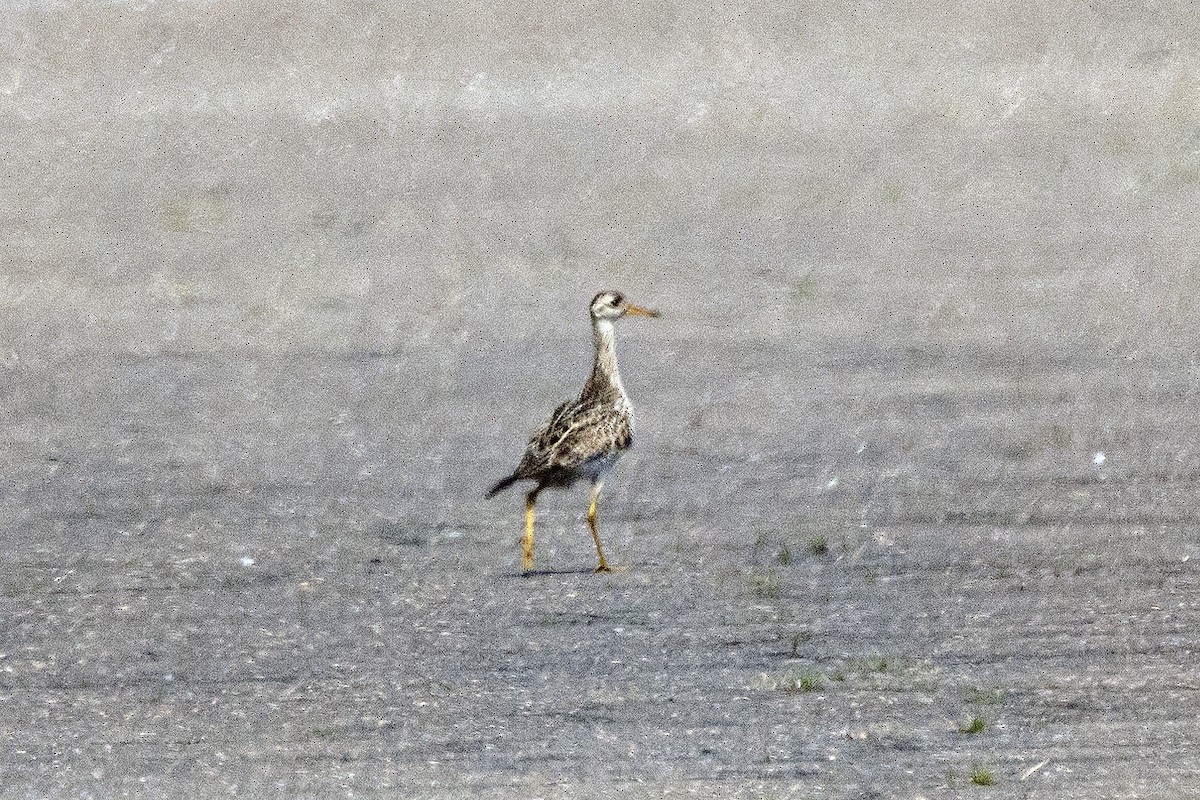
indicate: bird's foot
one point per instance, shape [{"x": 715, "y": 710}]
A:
[{"x": 604, "y": 567}]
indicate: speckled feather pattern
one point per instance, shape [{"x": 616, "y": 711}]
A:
[
  {"x": 583, "y": 431},
  {"x": 584, "y": 437}
]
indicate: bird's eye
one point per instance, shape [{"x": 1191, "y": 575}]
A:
[{"x": 617, "y": 299}]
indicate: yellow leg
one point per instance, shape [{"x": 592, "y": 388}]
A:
[
  {"x": 530, "y": 500},
  {"x": 603, "y": 567}
]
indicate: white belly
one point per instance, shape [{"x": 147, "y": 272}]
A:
[{"x": 594, "y": 468}]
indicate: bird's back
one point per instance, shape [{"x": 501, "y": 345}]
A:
[{"x": 587, "y": 431}]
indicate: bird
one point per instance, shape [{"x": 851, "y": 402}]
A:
[{"x": 584, "y": 437}]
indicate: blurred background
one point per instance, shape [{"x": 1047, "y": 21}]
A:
[{"x": 246, "y": 244}]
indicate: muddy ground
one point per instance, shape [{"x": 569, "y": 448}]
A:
[{"x": 913, "y": 510}]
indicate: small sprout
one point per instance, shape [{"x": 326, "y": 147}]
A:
[
  {"x": 766, "y": 586},
  {"x": 975, "y": 726},
  {"x": 810, "y": 682},
  {"x": 785, "y": 556},
  {"x": 893, "y": 191},
  {"x": 760, "y": 541},
  {"x": 803, "y": 682},
  {"x": 1061, "y": 437},
  {"x": 325, "y": 733},
  {"x": 991, "y": 697},
  {"x": 797, "y": 640},
  {"x": 818, "y": 546},
  {"x": 863, "y": 666},
  {"x": 804, "y": 289},
  {"x": 982, "y": 777},
  {"x": 878, "y": 664}
]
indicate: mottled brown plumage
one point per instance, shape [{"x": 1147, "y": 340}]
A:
[{"x": 583, "y": 437}]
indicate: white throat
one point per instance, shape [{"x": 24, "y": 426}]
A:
[{"x": 606, "y": 355}]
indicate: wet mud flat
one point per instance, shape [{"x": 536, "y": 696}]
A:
[{"x": 945, "y": 593}]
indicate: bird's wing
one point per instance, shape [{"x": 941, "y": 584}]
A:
[
  {"x": 541, "y": 444},
  {"x": 537, "y": 457},
  {"x": 575, "y": 433}
]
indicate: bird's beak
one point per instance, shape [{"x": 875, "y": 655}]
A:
[{"x": 638, "y": 311}]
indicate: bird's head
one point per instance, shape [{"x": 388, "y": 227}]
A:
[{"x": 613, "y": 305}]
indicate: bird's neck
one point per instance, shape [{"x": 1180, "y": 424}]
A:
[{"x": 605, "y": 377}]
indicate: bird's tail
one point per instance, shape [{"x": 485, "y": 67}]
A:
[{"x": 500, "y": 486}]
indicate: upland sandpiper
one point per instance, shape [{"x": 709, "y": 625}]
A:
[{"x": 584, "y": 437}]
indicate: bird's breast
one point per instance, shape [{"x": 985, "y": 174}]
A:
[{"x": 624, "y": 408}]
